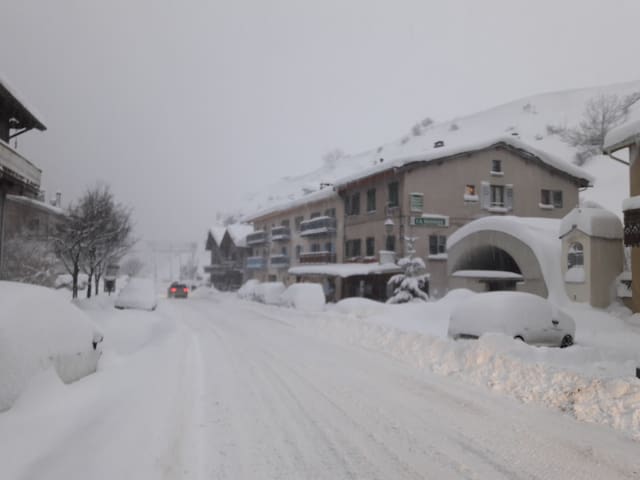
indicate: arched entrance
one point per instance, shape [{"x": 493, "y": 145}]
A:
[{"x": 489, "y": 260}]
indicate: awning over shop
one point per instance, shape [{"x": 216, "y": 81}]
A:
[{"x": 345, "y": 270}]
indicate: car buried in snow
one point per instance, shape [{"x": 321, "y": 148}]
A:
[
  {"x": 523, "y": 316},
  {"x": 138, "y": 293}
]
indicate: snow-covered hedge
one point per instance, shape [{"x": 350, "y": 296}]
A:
[
  {"x": 40, "y": 329},
  {"x": 304, "y": 296},
  {"x": 269, "y": 292}
]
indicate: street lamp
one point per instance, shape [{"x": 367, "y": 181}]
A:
[{"x": 388, "y": 225}]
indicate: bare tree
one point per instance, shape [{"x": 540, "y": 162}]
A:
[
  {"x": 69, "y": 241},
  {"x": 601, "y": 114}
]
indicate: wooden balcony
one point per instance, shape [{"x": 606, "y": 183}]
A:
[
  {"x": 280, "y": 234},
  {"x": 317, "y": 257},
  {"x": 318, "y": 226},
  {"x": 18, "y": 169},
  {"x": 257, "y": 238}
]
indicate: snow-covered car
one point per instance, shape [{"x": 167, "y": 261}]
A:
[
  {"x": 521, "y": 315},
  {"x": 39, "y": 329},
  {"x": 138, "y": 293}
]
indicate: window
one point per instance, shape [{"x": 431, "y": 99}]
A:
[
  {"x": 496, "y": 166},
  {"x": 497, "y": 196},
  {"x": 298, "y": 251},
  {"x": 437, "y": 244},
  {"x": 390, "y": 243},
  {"x": 298, "y": 221},
  {"x": 470, "y": 190},
  {"x": 550, "y": 198},
  {"x": 393, "y": 194},
  {"x": 283, "y": 251},
  {"x": 285, "y": 223},
  {"x": 315, "y": 215},
  {"x": 315, "y": 247},
  {"x": 353, "y": 248},
  {"x": 352, "y": 204},
  {"x": 371, "y": 200},
  {"x": 416, "y": 202},
  {"x": 330, "y": 212},
  {"x": 557, "y": 198},
  {"x": 575, "y": 256},
  {"x": 371, "y": 249},
  {"x": 328, "y": 247}
]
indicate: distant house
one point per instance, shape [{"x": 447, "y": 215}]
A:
[
  {"x": 228, "y": 249},
  {"x": 20, "y": 211}
]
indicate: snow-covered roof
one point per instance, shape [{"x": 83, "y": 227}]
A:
[
  {"x": 318, "y": 196},
  {"x": 32, "y": 202},
  {"x": 458, "y": 148},
  {"x": 595, "y": 222},
  {"x": 31, "y": 115},
  {"x": 345, "y": 269},
  {"x": 217, "y": 233},
  {"x": 540, "y": 234},
  {"x": 238, "y": 233},
  {"x": 626, "y": 134}
]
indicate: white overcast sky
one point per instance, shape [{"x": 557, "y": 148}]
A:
[{"x": 183, "y": 106}]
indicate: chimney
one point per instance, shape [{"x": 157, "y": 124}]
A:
[
  {"x": 42, "y": 194},
  {"x": 58, "y": 199}
]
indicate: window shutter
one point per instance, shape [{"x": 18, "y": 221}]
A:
[
  {"x": 508, "y": 197},
  {"x": 485, "y": 195}
]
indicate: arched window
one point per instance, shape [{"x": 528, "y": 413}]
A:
[{"x": 575, "y": 256}]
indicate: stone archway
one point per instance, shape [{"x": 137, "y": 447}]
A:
[{"x": 486, "y": 251}]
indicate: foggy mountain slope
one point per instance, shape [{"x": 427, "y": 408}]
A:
[{"x": 532, "y": 119}]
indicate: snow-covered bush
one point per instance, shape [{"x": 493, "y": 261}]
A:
[
  {"x": 40, "y": 330},
  {"x": 408, "y": 285},
  {"x": 269, "y": 292},
  {"x": 304, "y": 296},
  {"x": 248, "y": 289}
]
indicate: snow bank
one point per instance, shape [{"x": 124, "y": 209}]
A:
[
  {"x": 304, "y": 296},
  {"x": 269, "y": 292},
  {"x": 40, "y": 330}
]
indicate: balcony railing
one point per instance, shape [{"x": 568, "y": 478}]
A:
[
  {"x": 318, "y": 257},
  {"x": 279, "y": 260},
  {"x": 256, "y": 263},
  {"x": 280, "y": 234},
  {"x": 318, "y": 226},
  {"x": 15, "y": 165},
  {"x": 257, "y": 238}
]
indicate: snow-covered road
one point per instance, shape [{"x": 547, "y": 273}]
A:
[
  {"x": 219, "y": 388},
  {"x": 277, "y": 401}
]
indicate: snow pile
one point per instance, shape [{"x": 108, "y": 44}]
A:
[
  {"x": 304, "y": 296},
  {"x": 66, "y": 280},
  {"x": 38, "y": 330},
  {"x": 592, "y": 380},
  {"x": 138, "y": 293},
  {"x": 248, "y": 290},
  {"x": 269, "y": 292},
  {"x": 595, "y": 222}
]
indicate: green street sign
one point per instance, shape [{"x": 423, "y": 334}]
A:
[{"x": 430, "y": 221}]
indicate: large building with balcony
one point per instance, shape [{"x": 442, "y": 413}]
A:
[
  {"x": 348, "y": 236},
  {"x": 19, "y": 178}
]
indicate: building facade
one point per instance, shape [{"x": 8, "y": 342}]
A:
[{"x": 228, "y": 256}]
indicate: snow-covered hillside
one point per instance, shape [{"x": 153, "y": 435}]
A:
[{"x": 531, "y": 119}]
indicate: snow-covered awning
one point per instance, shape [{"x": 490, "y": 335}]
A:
[
  {"x": 487, "y": 274},
  {"x": 345, "y": 269}
]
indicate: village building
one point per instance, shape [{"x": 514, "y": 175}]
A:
[
  {"x": 23, "y": 216},
  {"x": 429, "y": 196},
  {"x": 229, "y": 250},
  {"x": 349, "y": 237}
]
